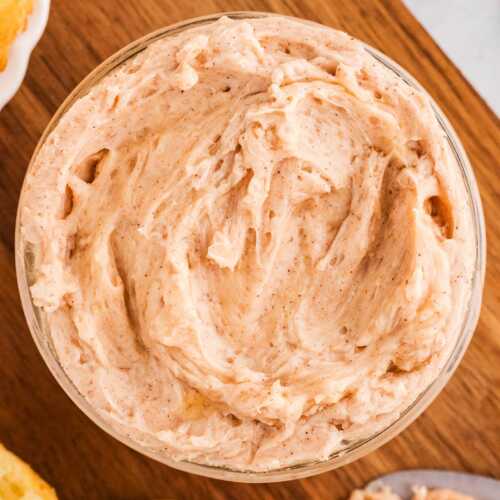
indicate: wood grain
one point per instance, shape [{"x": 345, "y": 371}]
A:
[{"x": 461, "y": 429}]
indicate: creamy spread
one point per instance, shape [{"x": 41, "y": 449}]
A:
[
  {"x": 423, "y": 493},
  {"x": 251, "y": 243},
  {"x": 419, "y": 493}
]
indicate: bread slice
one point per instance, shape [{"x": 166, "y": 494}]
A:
[{"x": 18, "y": 481}]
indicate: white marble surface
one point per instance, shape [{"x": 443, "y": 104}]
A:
[{"x": 468, "y": 31}]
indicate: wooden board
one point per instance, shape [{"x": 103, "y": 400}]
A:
[{"x": 461, "y": 429}]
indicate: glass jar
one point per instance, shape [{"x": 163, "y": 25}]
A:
[{"x": 352, "y": 451}]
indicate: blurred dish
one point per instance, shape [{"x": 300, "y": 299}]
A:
[
  {"x": 13, "y": 20},
  {"x": 438, "y": 482},
  {"x": 12, "y": 75}
]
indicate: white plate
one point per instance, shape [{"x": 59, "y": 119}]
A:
[{"x": 19, "y": 54}]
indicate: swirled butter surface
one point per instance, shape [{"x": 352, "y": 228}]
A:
[{"x": 251, "y": 242}]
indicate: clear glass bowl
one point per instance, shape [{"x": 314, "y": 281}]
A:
[{"x": 351, "y": 452}]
